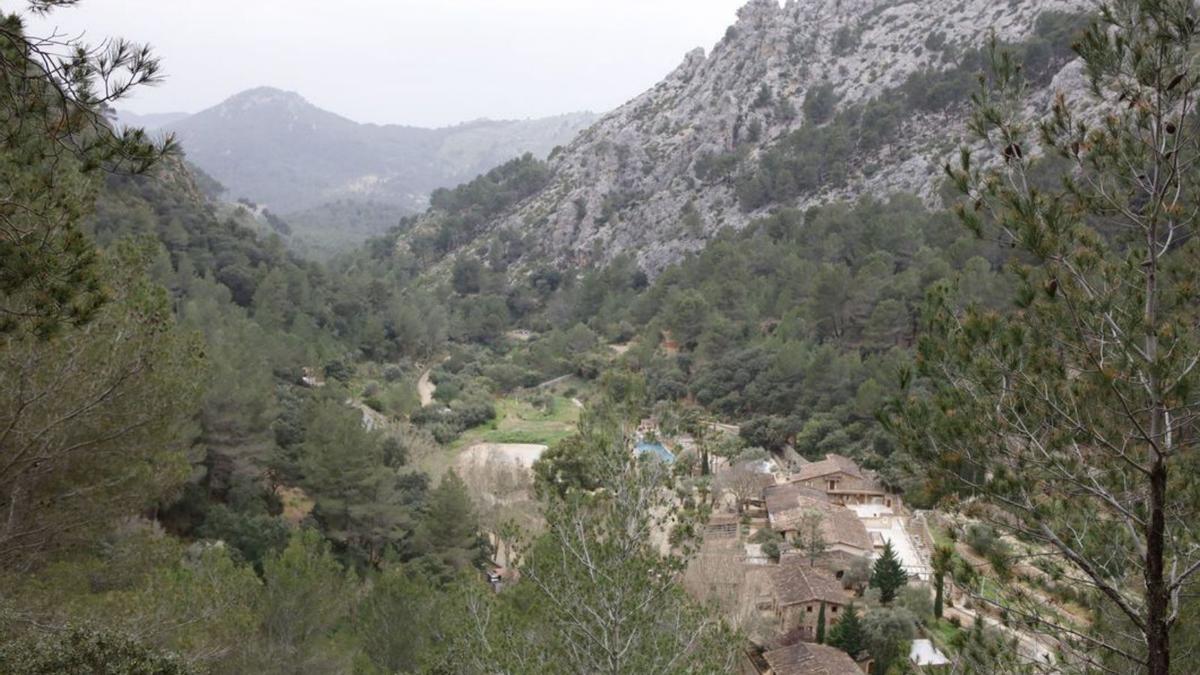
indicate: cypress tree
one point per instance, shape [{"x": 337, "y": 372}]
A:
[
  {"x": 847, "y": 634},
  {"x": 821, "y": 625},
  {"x": 888, "y": 575}
]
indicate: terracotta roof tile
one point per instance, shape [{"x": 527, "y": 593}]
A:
[
  {"x": 830, "y": 465},
  {"x": 810, "y": 659},
  {"x": 787, "y": 505},
  {"x": 795, "y": 582}
]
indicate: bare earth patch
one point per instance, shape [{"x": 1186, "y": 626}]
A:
[
  {"x": 296, "y": 504},
  {"x": 425, "y": 388},
  {"x": 490, "y": 454},
  {"x": 499, "y": 477}
]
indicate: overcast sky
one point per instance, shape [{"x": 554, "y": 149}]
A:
[{"x": 424, "y": 62}]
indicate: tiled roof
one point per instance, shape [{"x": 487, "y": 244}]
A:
[
  {"x": 809, "y": 659},
  {"x": 787, "y": 505},
  {"x": 784, "y": 495},
  {"x": 830, "y": 465},
  {"x": 795, "y": 582}
]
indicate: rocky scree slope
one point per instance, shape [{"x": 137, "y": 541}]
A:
[{"x": 663, "y": 173}]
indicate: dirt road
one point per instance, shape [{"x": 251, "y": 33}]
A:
[{"x": 425, "y": 387}]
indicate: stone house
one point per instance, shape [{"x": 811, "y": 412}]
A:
[
  {"x": 797, "y": 593},
  {"x": 845, "y": 536},
  {"x": 841, "y": 479}
]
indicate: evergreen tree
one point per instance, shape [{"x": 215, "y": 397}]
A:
[
  {"x": 448, "y": 535},
  {"x": 361, "y": 504},
  {"x": 1075, "y": 412},
  {"x": 821, "y": 625},
  {"x": 943, "y": 556},
  {"x": 306, "y": 594},
  {"x": 54, "y": 141},
  {"x": 96, "y": 421},
  {"x": 847, "y": 634},
  {"x": 398, "y": 621},
  {"x": 811, "y": 536},
  {"x": 888, "y": 574}
]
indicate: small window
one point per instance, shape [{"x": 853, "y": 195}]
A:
[
  {"x": 833, "y": 609},
  {"x": 809, "y": 608}
]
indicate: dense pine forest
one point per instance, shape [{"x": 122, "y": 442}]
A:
[{"x": 219, "y": 455}]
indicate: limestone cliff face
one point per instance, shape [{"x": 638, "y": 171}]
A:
[{"x": 626, "y": 183}]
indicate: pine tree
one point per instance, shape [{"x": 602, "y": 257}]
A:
[
  {"x": 888, "y": 575},
  {"x": 1081, "y": 400},
  {"x": 55, "y": 141},
  {"x": 448, "y": 535},
  {"x": 96, "y": 421},
  {"x": 821, "y": 625},
  {"x": 847, "y": 633},
  {"x": 361, "y": 504},
  {"x": 306, "y": 593}
]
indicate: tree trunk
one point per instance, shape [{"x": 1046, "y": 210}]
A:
[
  {"x": 1158, "y": 656},
  {"x": 1158, "y": 653},
  {"x": 938, "y": 599}
]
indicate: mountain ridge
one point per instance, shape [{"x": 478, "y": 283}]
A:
[
  {"x": 147, "y": 121},
  {"x": 665, "y": 172},
  {"x": 275, "y": 147}
]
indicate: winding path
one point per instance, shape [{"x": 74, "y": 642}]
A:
[{"x": 425, "y": 388}]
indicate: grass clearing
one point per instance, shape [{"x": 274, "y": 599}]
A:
[
  {"x": 942, "y": 632},
  {"x": 519, "y": 421},
  {"x": 941, "y": 537}
]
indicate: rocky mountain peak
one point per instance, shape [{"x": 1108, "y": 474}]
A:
[
  {"x": 259, "y": 96},
  {"x": 758, "y": 13},
  {"x": 659, "y": 176}
]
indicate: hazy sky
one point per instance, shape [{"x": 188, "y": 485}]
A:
[{"x": 425, "y": 62}]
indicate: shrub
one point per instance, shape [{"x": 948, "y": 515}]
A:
[
  {"x": 338, "y": 370},
  {"x": 820, "y": 102},
  {"x": 770, "y": 540},
  {"x": 87, "y": 650},
  {"x": 982, "y": 539},
  {"x": 763, "y": 98},
  {"x": 917, "y": 600},
  {"x": 711, "y": 166}
]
